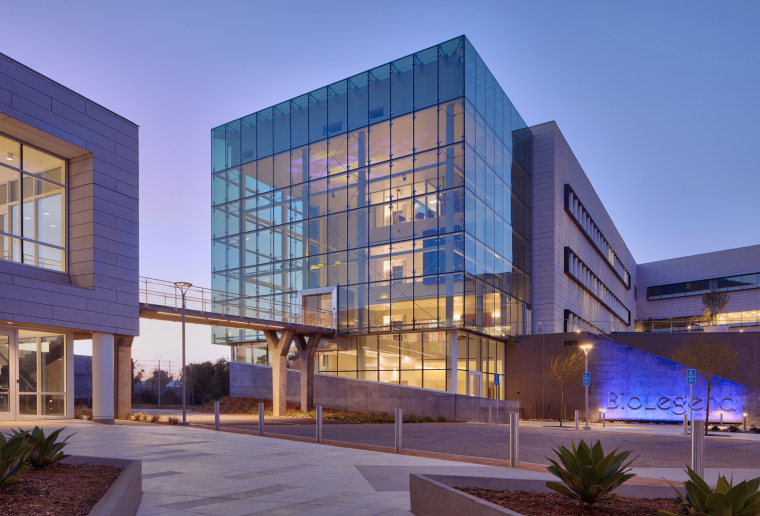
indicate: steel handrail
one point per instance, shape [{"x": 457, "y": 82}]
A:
[{"x": 166, "y": 294}]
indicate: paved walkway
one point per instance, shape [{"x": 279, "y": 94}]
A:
[{"x": 192, "y": 470}]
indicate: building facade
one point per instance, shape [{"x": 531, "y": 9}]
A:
[
  {"x": 673, "y": 289},
  {"x": 382, "y": 195},
  {"x": 68, "y": 246}
]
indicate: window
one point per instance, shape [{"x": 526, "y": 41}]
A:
[
  {"x": 42, "y": 374},
  {"x": 32, "y": 206}
]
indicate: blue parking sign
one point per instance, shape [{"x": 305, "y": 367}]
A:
[
  {"x": 691, "y": 376},
  {"x": 586, "y": 379},
  {"x": 496, "y": 380}
]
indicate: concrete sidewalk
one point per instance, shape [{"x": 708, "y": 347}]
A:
[
  {"x": 634, "y": 428},
  {"x": 189, "y": 470}
]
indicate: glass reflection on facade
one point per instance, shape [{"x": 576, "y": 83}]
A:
[
  {"x": 32, "y": 206},
  {"x": 391, "y": 186}
]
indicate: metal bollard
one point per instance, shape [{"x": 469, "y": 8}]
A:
[
  {"x": 216, "y": 415},
  {"x": 721, "y": 418},
  {"x": 577, "y": 419},
  {"x": 319, "y": 423},
  {"x": 698, "y": 447},
  {"x": 261, "y": 419},
  {"x": 685, "y": 424},
  {"x": 604, "y": 418},
  {"x": 399, "y": 422},
  {"x": 600, "y": 415},
  {"x": 744, "y": 421},
  {"x": 514, "y": 440},
  {"x": 490, "y": 415}
]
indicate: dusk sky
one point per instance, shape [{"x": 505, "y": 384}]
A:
[{"x": 660, "y": 101}]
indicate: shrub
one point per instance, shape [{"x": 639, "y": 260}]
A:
[
  {"x": 45, "y": 450},
  {"x": 726, "y": 500},
  {"x": 14, "y": 453},
  {"x": 733, "y": 429},
  {"x": 428, "y": 419},
  {"x": 174, "y": 420},
  {"x": 442, "y": 419},
  {"x": 754, "y": 430},
  {"x": 78, "y": 415},
  {"x": 588, "y": 474},
  {"x": 714, "y": 428},
  {"x": 156, "y": 418}
]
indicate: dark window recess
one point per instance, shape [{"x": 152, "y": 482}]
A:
[
  {"x": 376, "y": 113},
  {"x": 699, "y": 287}
]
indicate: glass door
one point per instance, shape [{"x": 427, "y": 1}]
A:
[
  {"x": 475, "y": 384},
  {"x": 8, "y": 382}
]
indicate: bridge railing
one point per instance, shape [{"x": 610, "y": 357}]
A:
[{"x": 166, "y": 294}]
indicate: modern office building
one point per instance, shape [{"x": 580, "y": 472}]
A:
[
  {"x": 68, "y": 246},
  {"x": 413, "y": 201},
  {"x": 400, "y": 197}
]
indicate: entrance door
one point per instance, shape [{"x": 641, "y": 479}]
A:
[
  {"x": 8, "y": 385},
  {"x": 475, "y": 381}
]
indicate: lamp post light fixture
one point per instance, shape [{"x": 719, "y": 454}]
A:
[
  {"x": 159, "y": 380},
  {"x": 183, "y": 287},
  {"x": 586, "y": 348}
]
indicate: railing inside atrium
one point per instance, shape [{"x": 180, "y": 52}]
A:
[{"x": 167, "y": 296}]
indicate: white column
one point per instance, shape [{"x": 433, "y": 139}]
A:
[
  {"x": 102, "y": 378},
  {"x": 453, "y": 372}
]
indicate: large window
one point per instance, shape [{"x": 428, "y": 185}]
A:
[
  {"x": 41, "y": 374},
  {"x": 700, "y": 287},
  {"x": 32, "y": 206}
]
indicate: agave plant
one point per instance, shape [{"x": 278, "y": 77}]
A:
[
  {"x": 14, "y": 453},
  {"x": 588, "y": 474},
  {"x": 727, "y": 499},
  {"x": 46, "y": 450}
]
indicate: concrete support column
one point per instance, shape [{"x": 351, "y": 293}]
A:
[
  {"x": 122, "y": 377},
  {"x": 103, "y": 378},
  {"x": 278, "y": 347},
  {"x": 307, "y": 348}
]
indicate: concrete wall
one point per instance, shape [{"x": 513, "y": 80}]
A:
[
  {"x": 633, "y": 364},
  {"x": 100, "y": 291},
  {"x": 553, "y": 291},
  {"x": 255, "y": 381},
  {"x": 731, "y": 262}
]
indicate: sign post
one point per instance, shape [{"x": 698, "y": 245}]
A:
[
  {"x": 691, "y": 379},
  {"x": 496, "y": 383},
  {"x": 586, "y": 383}
]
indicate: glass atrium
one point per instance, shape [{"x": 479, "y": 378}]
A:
[{"x": 391, "y": 187}]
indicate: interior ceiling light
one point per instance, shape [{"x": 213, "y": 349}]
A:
[{"x": 9, "y": 157}]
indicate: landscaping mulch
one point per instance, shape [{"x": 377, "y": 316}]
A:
[
  {"x": 58, "y": 490},
  {"x": 555, "y": 504}
]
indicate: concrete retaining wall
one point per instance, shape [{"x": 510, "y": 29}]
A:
[
  {"x": 434, "y": 495},
  {"x": 255, "y": 381},
  {"x": 124, "y": 496}
]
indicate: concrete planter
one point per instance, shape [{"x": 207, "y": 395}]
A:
[
  {"x": 434, "y": 495},
  {"x": 124, "y": 496}
]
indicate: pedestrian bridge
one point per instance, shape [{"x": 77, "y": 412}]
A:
[{"x": 162, "y": 300}]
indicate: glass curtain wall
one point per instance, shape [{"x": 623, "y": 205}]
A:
[
  {"x": 414, "y": 359},
  {"x": 391, "y": 185},
  {"x": 41, "y": 374},
  {"x": 32, "y": 206}
]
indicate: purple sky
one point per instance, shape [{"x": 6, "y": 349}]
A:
[{"x": 659, "y": 101}]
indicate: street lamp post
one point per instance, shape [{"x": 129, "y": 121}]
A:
[
  {"x": 183, "y": 286},
  {"x": 586, "y": 348},
  {"x": 159, "y": 380}
]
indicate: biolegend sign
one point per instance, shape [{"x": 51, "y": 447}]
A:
[{"x": 630, "y": 384}]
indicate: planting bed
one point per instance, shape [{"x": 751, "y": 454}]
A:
[
  {"x": 542, "y": 504},
  {"x": 58, "y": 490}
]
